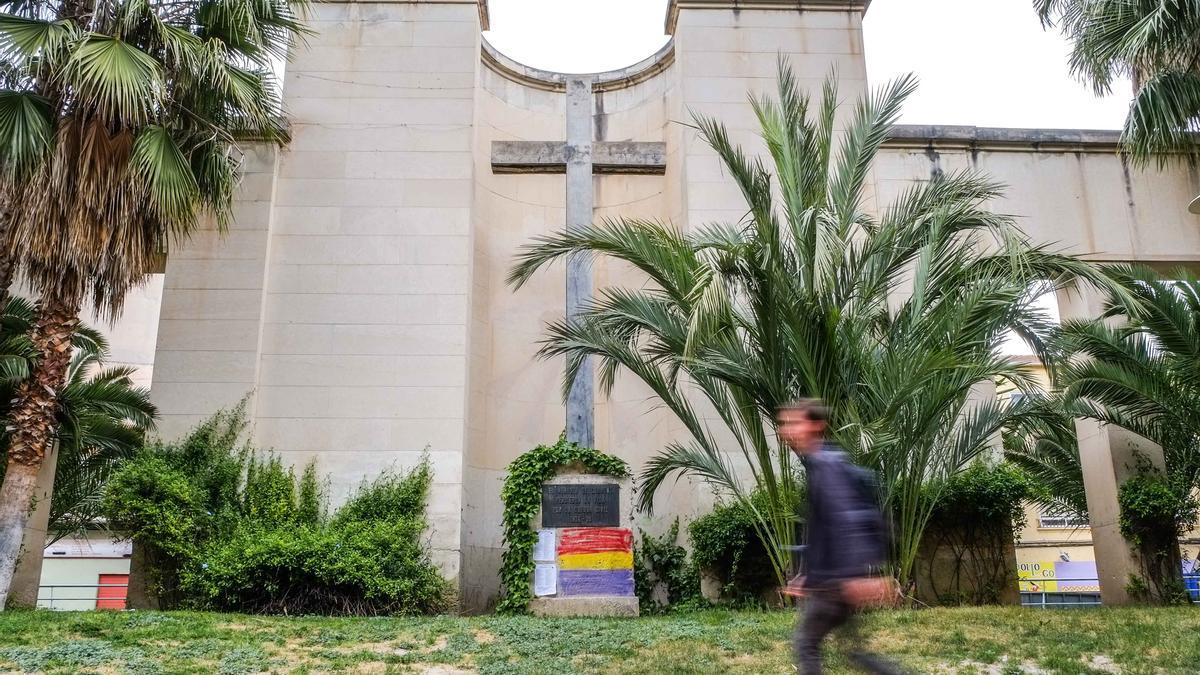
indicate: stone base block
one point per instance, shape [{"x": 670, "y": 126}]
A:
[{"x": 584, "y": 606}]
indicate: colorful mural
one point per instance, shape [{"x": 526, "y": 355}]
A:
[
  {"x": 595, "y": 561},
  {"x": 1059, "y": 576}
]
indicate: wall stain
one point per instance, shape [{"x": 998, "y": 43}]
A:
[
  {"x": 1085, "y": 204},
  {"x": 600, "y": 119},
  {"x": 1128, "y": 180},
  {"x": 1131, "y": 204},
  {"x": 935, "y": 163}
]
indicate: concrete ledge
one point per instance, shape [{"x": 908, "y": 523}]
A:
[
  {"x": 646, "y": 158},
  {"x": 484, "y": 16},
  {"x": 584, "y": 606},
  {"x": 1001, "y": 138},
  {"x": 786, "y": 5}
]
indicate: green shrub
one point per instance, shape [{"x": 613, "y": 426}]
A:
[
  {"x": 991, "y": 493},
  {"x": 269, "y": 495},
  {"x": 368, "y": 569},
  {"x": 162, "y": 510},
  {"x": 726, "y": 545},
  {"x": 224, "y": 527},
  {"x": 310, "y": 504},
  {"x": 977, "y": 513},
  {"x": 661, "y": 564},
  {"x": 388, "y": 497},
  {"x": 1154, "y": 514}
]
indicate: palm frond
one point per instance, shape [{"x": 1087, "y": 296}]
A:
[{"x": 26, "y": 128}]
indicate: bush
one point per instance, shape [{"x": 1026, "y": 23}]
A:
[
  {"x": 369, "y": 569},
  {"x": 1154, "y": 514},
  {"x": 226, "y": 528},
  {"x": 726, "y": 546},
  {"x": 984, "y": 493},
  {"x": 663, "y": 577},
  {"x": 966, "y": 548}
]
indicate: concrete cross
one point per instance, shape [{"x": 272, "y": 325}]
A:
[{"x": 579, "y": 157}]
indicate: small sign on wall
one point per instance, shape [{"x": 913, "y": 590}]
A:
[
  {"x": 545, "y": 579},
  {"x": 581, "y": 505},
  {"x": 544, "y": 550}
]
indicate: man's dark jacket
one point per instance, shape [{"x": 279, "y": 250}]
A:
[{"x": 844, "y": 526}]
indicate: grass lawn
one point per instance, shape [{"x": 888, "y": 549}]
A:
[{"x": 992, "y": 640}]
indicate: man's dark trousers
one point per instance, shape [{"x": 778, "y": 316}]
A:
[{"x": 825, "y": 611}]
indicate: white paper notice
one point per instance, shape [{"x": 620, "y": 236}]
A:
[
  {"x": 545, "y": 579},
  {"x": 544, "y": 551}
]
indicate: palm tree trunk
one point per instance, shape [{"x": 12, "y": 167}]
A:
[
  {"x": 33, "y": 422},
  {"x": 7, "y": 264}
]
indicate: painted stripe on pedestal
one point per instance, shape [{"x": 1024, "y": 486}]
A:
[
  {"x": 595, "y": 583},
  {"x": 594, "y": 540},
  {"x": 609, "y": 560}
]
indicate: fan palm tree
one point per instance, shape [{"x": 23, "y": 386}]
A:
[
  {"x": 118, "y": 128},
  {"x": 1154, "y": 43},
  {"x": 895, "y": 320},
  {"x": 102, "y": 418}
]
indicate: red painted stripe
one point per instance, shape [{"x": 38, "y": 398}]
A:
[{"x": 594, "y": 540}]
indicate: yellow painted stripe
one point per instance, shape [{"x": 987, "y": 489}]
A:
[{"x": 610, "y": 560}]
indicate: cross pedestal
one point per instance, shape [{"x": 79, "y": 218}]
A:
[{"x": 580, "y": 157}]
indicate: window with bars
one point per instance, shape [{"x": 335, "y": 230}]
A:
[{"x": 1061, "y": 522}]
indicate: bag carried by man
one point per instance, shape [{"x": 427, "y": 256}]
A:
[{"x": 881, "y": 590}]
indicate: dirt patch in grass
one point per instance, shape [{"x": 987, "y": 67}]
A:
[{"x": 1102, "y": 663}]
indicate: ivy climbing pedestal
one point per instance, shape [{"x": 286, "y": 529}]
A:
[
  {"x": 583, "y": 561},
  {"x": 568, "y": 545}
]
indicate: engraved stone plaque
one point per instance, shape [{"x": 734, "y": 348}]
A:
[{"x": 581, "y": 505}]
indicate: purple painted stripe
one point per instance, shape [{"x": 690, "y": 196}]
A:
[{"x": 595, "y": 582}]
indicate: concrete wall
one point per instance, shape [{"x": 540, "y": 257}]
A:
[
  {"x": 360, "y": 293},
  {"x": 340, "y": 297},
  {"x": 1066, "y": 188},
  {"x": 515, "y": 401},
  {"x": 132, "y": 337}
]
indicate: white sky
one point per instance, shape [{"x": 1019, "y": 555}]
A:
[{"x": 982, "y": 62}]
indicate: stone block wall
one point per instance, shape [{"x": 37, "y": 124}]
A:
[{"x": 340, "y": 297}]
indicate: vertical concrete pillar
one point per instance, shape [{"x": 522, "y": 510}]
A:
[
  {"x": 581, "y": 399},
  {"x": 1107, "y": 456}
]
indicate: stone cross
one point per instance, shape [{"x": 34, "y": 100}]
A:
[{"x": 579, "y": 157}]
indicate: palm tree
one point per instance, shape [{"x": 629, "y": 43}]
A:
[
  {"x": 1144, "y": 375},
  {"x": 1154, "y": 43},
  {"x": 893, "y": 319},
  {"x": 118, "y": 128},
  {"x": 102, "y": 418}
]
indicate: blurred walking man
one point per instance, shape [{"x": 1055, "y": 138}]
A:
[{"x": 846, "y": 544}]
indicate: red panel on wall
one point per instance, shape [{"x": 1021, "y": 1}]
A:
[{"x": 112, "y": 597}]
